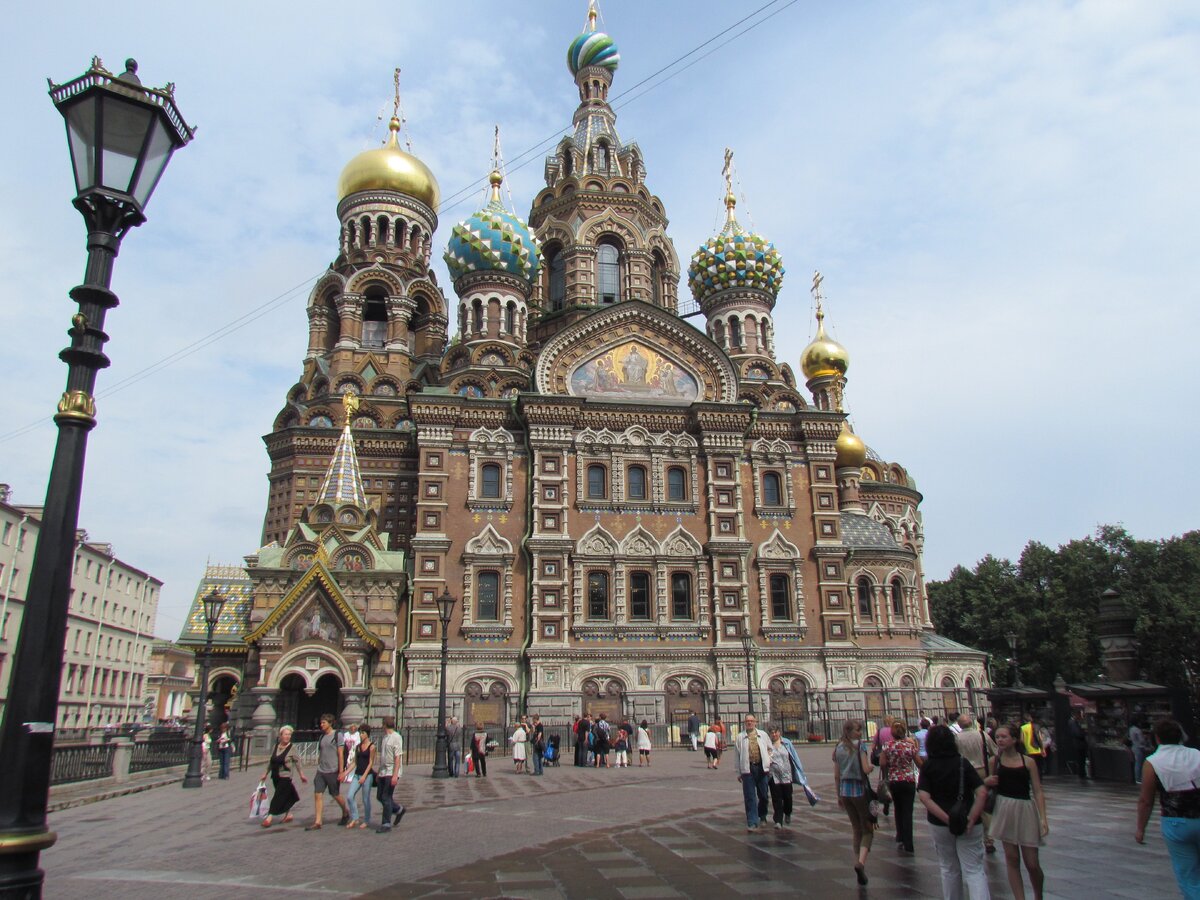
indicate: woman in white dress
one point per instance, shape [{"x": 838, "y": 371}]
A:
[
  {"x": 643, "y": 743},
  {"x": 518, "y": 742}
]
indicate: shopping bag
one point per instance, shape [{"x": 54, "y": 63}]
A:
[
  {"x": 258, "y": 801},
  {"x": 813, "y": 799},
  {"x": 470, "y": 764}
]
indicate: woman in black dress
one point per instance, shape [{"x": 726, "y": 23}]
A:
[{"x": 284, "y": 762}]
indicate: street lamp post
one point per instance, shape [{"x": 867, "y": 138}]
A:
[
  {"x": 121, "y": 136},
  {"x": 194, "y": 778},
  {"x": 1011, "y": 637},
  {"x": 441, "y": 759},
  {"x": 747, "y": 646}
]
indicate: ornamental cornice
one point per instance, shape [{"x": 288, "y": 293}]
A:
[
  {"x": 491, "y": 277},
  {"x": 823, "y": 429},
  {"x": 459, "y": 654},
  {"x": 735, "y": 299},
  {"x": 880, "y": 490},
  {"x": 385, "y": 200}
]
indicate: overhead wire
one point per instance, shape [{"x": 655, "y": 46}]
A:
[{"x": 451, "y": 202}]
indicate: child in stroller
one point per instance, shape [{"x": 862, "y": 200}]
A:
[{"x": 551, "y": 754}]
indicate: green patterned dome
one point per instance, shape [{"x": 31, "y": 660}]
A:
[
  {"x": 592, "y": 48},
  {"x": 493, "y": 240},
  {"x": 735, "y": 258}
]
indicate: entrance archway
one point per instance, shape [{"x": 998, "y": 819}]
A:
[
  {"x": 875, "y": 701},
  {"x": 685, "y": 697},
  {"x": 608, "y": 701},
  {"x": 222, "y": 693},
  {"x": 789, "y": 705},
  {"x": 487, "y": 708},
  {"x": 301, "y": 708}
]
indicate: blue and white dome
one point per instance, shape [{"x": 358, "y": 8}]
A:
[
  {"x": 592, "y": 48},
  {"x": 493, "y": 240}
]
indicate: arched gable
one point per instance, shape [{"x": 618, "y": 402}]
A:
[
  {"x": 640, "y": 542},
  {"x": 680, "y": 543},
  {"x": 635, "y": 351},
  {"x": 489, "y": 542},
  {"x": 778, "y": 547},
  {"x": 597, "y": 542}
]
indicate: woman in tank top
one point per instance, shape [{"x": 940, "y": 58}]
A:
[
  {"x": 1019, "y": 819},
  {"x": 363, "y": 778}
]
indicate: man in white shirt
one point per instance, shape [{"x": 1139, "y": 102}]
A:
[
  {"x": 752, "y": 751},
  {"x": 388, "y": 762}
]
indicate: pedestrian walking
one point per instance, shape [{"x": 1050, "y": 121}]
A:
[
  {"x": 719, "y": 727},
  {"x": 1031, "y": 742},
  {"x": 752, "y": 749},
  {"x": 900, "y": 761},
  {"x": 206, "y": 754},
  {"x": 1173, "y": 770},
  {"x": 537, "y": 744},
  {"x": 1139, "y": 743},
  {"x": 1019, "y": 819},
  {"x": 851, "y": 772},
  {"x": 517, "y": 739},
  {"x": 780, "y": 779},
  {"x": 284, "y": 763},
  {"x": 224, "y": 750},
  {"x": 362, "y": 778},
  {"x": 479, "y": 751},
  {"x": 601, "y": 734},
  {"x": 978, "y": 748},
  {"x": 920, "y": 735},
  {"x": 948, "y": 784},
  {"x": 693, "y": 730},
  {"x": 389, "y": 761},
  {"x": 711, "y": 742},
  {"x": 453, "y": 745},
  {"x": 643, "y": 743},
  {"x": 331, "y": 769},
  {"x": 1079, "y": 742}
]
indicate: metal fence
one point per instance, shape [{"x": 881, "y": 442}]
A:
[
  {"x": 80, "y": 762},
  {"x": 159, "y": 754}
]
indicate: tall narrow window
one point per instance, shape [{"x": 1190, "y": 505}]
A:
[
  {"x": 681, "y": 595},
  {"x": 897, "y": 598},
  {"x": 487, "y": 602},
  {"x": 597, "y": 476},
  {"x": 477, "y": 325},
  {"x": 781, "y": 607},
  {"x": 374, "y": 333},
  {"x": 639, "y": 596},
  {"x": 771, "y": 493},
  {"x": 658, "y": 268},
  {"x": 676, "y": 484},
  {"x": 597, "y": 583},
  {"x": 608, "y": 272},
  {"x": 637, "y": 483},
  {"x": 556, "y": 277},
  {"x": 489, "y": 481},
  {"x": 510, "y": 317},
  {"x": 735, "y": 333},
  {"x": 864, "y": 598}
]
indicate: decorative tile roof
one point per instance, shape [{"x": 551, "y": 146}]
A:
[
  {"x": 735, "y": 258},
  {"x": 491, "y": 240},
  {"x": 343, "y": 481},
  {"x": 863, "y": 532},
  {"x": 235, "y": 586}
]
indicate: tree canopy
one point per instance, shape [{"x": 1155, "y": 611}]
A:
[{"x": 1050, "y": 600}]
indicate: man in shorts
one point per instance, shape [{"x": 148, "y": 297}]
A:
[{"x": 331, "y": 768}]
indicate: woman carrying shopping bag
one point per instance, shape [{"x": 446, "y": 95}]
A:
[{"x": 284, "y": 763}]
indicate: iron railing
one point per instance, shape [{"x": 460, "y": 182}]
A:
[
  {"x": 81, "y": 762},
  {"x": 160, "y": 754}
]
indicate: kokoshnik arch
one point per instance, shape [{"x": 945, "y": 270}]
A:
[{"x": 616, "y": 495}]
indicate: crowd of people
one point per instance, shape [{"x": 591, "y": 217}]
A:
[{"x": 979, "y": 783}]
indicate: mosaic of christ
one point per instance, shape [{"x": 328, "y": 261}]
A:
[{"x": 636, "y": 371}]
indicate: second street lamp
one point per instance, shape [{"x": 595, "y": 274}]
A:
[
  {"x": 747, "y": 647},
  {"x": 121, "y": 136},
  {"x": 213, "y": 604},
  {"x": 441, "y": 759},
  {"x": 1011, "y": 637}
]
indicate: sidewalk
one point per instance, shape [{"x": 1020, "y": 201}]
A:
[{"x": 676, "y": 829}]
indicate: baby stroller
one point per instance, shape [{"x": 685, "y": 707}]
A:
[{"x": 551, "y": 756}]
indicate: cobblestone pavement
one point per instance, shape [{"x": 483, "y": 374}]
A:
[{"x": 674, "y": 830}]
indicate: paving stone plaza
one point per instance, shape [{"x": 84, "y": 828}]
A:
[{"x": 673, "y": 830}]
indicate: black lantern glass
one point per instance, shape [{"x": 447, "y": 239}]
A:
[
  {"x": 213, "y": 604},
  {"x": 445, "y": 607},
  {"x": 747, "y": 642}
]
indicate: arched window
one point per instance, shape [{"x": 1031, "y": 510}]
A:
[
  {"x": 510, "y": 318},
  {"x": 374, "y": 333},
  {"x": 639, "y": 596},
  {"x": 781, "y": 607},
  {"x": 603, "y": 158},
  {"x": 864, "y": 598},
  {"x": 489, "y": 481},
  {"x": 735, "y": 333},
  {"x": 676, "y": 484},
  {"x": 597, "y": 583},
  {"x": 876, "y": 699},
  {"x": 949, "y": 698},
  {"x": 608, "y": 273},
  {"x": 897, "y": 598},
  {"x": 597, "y": 478},
  {"x": 333, "y": 322},
  {"x": 568, "y": 163},
  {"x": 681, "y": 595},
  {"x": 556, "y": 268},
  {"x": 637, "y": 483},
  {"x": 477, "y": 325},
  {"x": 487, "y": 597},
  {"x": 772, "y": 495},
  {"x": 908, "y": 697},
  {"x": 658, "y": 272},
  {"x": 719, "y": 333}
]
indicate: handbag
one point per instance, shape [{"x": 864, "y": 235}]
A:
[
  {"x": 258, "y": 801},
  {"x": 961, "y": 810}
]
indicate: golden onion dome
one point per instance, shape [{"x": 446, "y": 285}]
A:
[
  {"x": 824, "y": 356},
  {"x": 388, "y": 168},
  {"x": 851, "y": 451}
]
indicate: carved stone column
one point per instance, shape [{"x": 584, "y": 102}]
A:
[
  {"x": 262, "y": 721},
  {"x": 352, "y": 708}
]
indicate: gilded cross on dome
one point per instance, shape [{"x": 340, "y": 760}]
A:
[{"x": 349, "y": 404}]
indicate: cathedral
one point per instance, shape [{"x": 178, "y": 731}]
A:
[{"x": 635, "y": 505}]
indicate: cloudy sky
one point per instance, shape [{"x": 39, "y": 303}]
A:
[{"x": 1004, "y": 199}]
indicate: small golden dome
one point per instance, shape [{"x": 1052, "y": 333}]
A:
[
  {"x": 389, "y": 168},
  {"x": 851, "y": 451},
  {"x": 824, "y": 356}
]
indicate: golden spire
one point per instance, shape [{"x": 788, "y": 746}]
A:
[
  {"x": 730, "y": 198},
  {"x": 396, "y": 93},
  {"x": 591, "y": 25},
  {"x": 495, "y": 179},
  {"x": 823, "y": 357},
  {"x": 350, "y": 405},
  {"x": 816, "y": 292}
]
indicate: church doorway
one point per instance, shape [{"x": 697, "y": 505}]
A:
[
  {"x": 683, "y": 699},
  {"x": 221, "y": 694},
  {"x": 488, "y": 709},
  {"x": 789, "y": 706},
  {"x": 301, "y": 708},
  {"x": 609, "y": 701}
]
